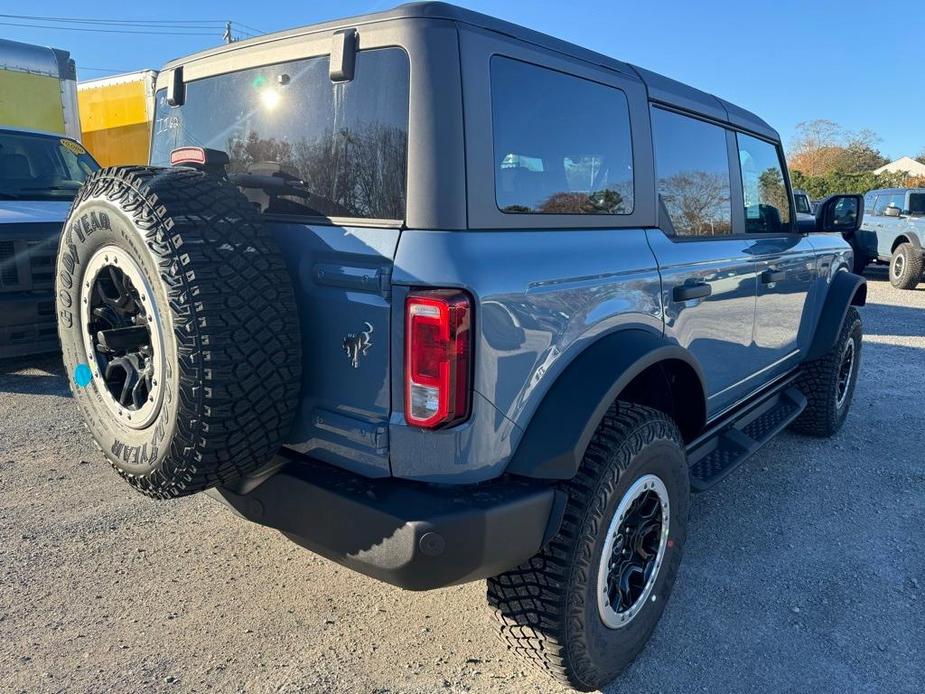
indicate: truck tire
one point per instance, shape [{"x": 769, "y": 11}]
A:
[
  {"x": 178, "y": 326},
  {"x": 859, "y": 262},
  {"x": 632, "y": 490},
  {"x": 828, "y": 382},
  {"x": 905, "y": 266}
]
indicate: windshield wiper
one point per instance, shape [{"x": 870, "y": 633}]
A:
[{"x": 8, "y": 196}]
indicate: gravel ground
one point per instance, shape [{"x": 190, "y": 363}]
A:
[{"x": 803, "y": 572}]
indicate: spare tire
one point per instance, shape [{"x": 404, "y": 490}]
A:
[{"x": 179, "y": 328}]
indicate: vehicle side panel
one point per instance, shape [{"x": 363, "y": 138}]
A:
[
  {"x": 833, "y": 255},
  {"x": 541, "y": 297},
  {"x": 716, "y": 329}
]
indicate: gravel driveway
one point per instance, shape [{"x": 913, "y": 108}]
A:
[{"x": 803, "y": 572}]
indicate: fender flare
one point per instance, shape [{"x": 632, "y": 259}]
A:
[
  {"x": 846, "y": 290},
  {"x": 560, "y": 430},
  {"x": 912, "y": 238}
]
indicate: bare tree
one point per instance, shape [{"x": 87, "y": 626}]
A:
[{"x": 697, "y": 202}]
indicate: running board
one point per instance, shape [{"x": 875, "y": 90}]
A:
[{"x": 711, "y": 460}]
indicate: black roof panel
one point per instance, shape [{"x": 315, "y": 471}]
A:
[{"x": 661, "y": 89}]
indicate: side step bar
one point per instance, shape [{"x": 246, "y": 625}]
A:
[{"x": 712, "y": 458}]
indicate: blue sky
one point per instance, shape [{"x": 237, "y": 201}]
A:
[{"x": 857, "y": 63}]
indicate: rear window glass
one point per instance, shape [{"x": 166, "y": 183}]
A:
[
  {"x": 561, "y": 143},
  {"x": 299, "y": 143}
]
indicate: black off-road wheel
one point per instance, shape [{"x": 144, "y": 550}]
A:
[
  {"x": 178, "y": 326},
  {"x": 585, "y": 606},
  {"x": 828, "y": 382},
  {"x": 906, "y": 266}
]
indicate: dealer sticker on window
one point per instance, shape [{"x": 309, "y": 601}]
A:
[{"x": 73, "y": 147}]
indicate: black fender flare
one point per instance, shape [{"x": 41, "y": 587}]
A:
[
  {"x": 560, "y": 430},
  {"x": 846, "y": 289},
  {"x": 911, "y": 238}
]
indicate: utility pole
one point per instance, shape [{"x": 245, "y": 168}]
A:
[{"x": 228, "y": 38}]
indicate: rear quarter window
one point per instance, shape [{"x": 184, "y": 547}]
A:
[{"x": 561, "y": 143}]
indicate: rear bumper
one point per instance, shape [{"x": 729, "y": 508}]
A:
[{"x": 409, "y": 534}]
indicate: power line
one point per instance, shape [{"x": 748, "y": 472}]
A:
[
  {"x": 111, "y": 31},
  {"x": 144, "y": 22},
  {"x": 101, "y": 69},
  {"x": 250, "y": 28},
  {"x": 162, "y": 25}
]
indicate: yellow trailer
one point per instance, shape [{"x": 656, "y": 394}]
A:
[
  {"x": 38, "y": 89},
  {"x": 115, "y": 117}
]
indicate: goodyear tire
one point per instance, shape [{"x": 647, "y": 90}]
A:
[{"x": 178, "y": 327}]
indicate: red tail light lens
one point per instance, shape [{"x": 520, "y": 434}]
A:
[
  {"x": 188, "y": 155},
  {"x": 438, "y": 350}
]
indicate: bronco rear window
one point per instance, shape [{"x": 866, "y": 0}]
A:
[
  {"x": 561, "y": 143},
  {"x": 332, "y": 149}
]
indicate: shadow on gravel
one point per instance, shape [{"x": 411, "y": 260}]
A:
[
  {"x": 36, "y": 375},
  {"x": 884, "y": 319}
]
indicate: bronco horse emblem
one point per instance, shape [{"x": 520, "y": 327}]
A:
[{"x": 356, "y": 345}]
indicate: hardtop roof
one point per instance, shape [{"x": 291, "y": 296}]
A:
[{"x": 661, "y": 89}]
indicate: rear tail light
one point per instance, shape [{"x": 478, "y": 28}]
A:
[
  {"x": 188, "y": 156},
  {"x": 438, "y": 352}
]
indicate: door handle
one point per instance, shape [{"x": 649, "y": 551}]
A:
[
  {"x": 686, "y": 292},
  {"x": 769, "y": 276}
]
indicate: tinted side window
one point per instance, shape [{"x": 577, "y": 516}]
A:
[
  {"x": 561, "y": 143},
  {"x": 917, "y": 203},
  {"x": 766, "y": 202},
  {"x": 881, "y": 202},
  {"x": 898, "y": 200},
  {"x": 692, "y": 168},
  {"x": 335, "y": 149}
]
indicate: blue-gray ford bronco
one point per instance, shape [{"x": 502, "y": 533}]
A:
[{"x": 444, "y": 299}]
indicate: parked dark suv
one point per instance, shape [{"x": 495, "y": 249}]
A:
[
  {"x": 39, "y": 176},
  {"x": 444, "y": 299}
]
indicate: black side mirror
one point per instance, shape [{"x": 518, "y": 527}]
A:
[{"x": 841, "y": 214}]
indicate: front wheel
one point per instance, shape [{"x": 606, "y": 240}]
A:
[
  {"x": 585, "y": 606},
  {"x": 905, "y": 266},
  {"x": 828, "y": 382}
]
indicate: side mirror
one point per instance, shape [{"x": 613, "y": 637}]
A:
[
  {"x": 892, "y": 211},
  {"x": 841, "y": 214}
]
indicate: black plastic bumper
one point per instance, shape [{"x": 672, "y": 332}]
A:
[{"x": 411, "y": 535}]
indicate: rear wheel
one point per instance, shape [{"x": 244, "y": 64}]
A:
[
  {"x": 906, "y": 266},
  {"x": 585, "y": 606},
  {"x": 178, "y": 327}
]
